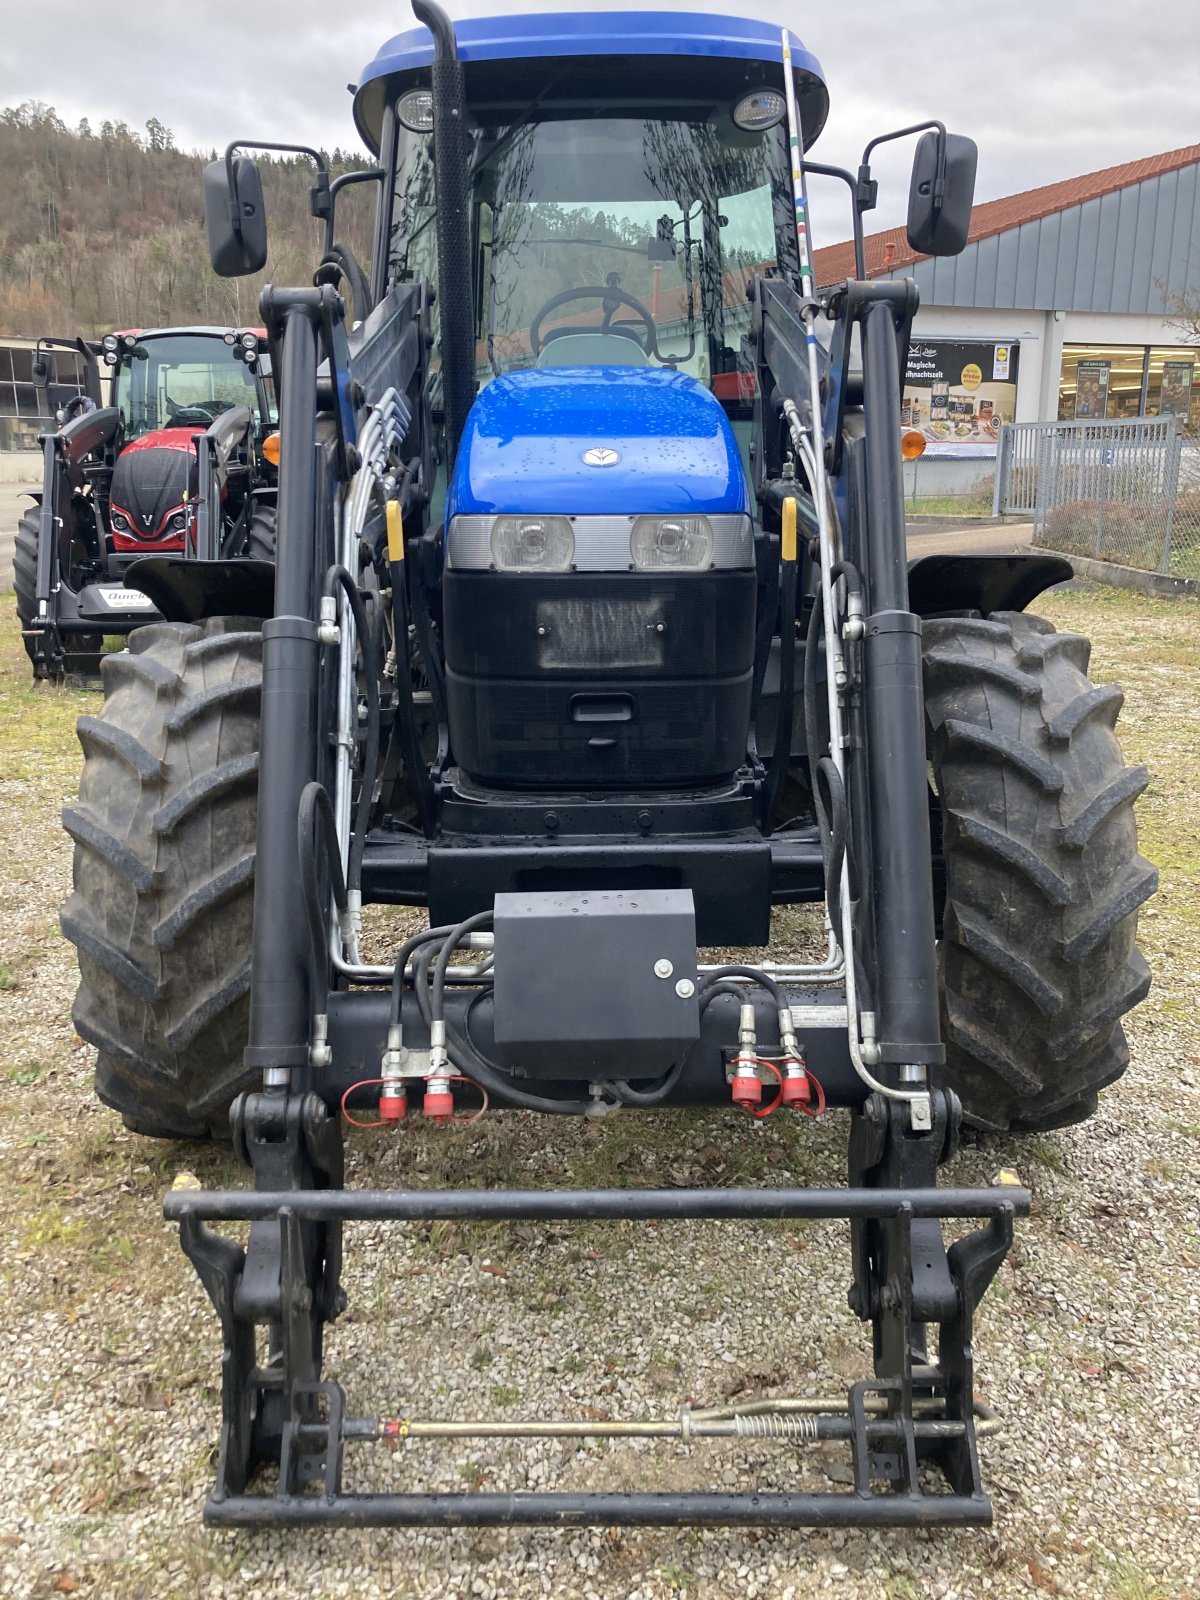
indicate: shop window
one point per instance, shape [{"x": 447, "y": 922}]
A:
[
  {"x": 1098, "y": 381},
  {"x": 1173, "y": 385}
]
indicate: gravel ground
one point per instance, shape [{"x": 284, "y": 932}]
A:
[{"x": 1087, "y": 1345}]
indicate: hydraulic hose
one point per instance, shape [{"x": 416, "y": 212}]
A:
[
  {"x": 368, "y": 641},
  {"x": 451, "y": 944},
  {"x": 425, "y": 936},
  {"x": 782, "y": 754},
  {"x": 819, "y": 765},
  {"x": 315, "y": 803},
  {"x": 763, "y": 979},
  {"x": 496, "y": 1081}
]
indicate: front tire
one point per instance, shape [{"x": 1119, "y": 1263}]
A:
[
  {"x": 161, "y": 911},
  {"x": 1043, "y": 879},
  {"x": 46, "y": 663}
]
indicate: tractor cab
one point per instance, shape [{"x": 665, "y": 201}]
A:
[
  {"x": 169, "y": 388},
  {"x": 600, "y": 588},
  {"x": 611, "y": 224}
]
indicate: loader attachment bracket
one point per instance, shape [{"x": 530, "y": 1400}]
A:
[{"x": 910, "y": 1429}]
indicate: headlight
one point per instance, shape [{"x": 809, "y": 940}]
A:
[
  {"x": 680, "y": 542},
  {"x": 120, "y": 521},
  {"x": 611, "y": 542},
  {"x": 178, "y": 521},
  {"x": 533, "y": 544}
]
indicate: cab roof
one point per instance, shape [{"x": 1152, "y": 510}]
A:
[{"x": 516, "y": 37}]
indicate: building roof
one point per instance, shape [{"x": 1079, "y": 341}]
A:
[{"x": 888, "y": 251}]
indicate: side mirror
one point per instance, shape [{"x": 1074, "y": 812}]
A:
[
  {"x": 941, "y": 194},
  {"x": 235, "y": 217},
  {"x": 43, "y": 370}
]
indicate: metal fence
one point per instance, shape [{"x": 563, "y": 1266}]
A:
[{"x": 1127, "y": 492}]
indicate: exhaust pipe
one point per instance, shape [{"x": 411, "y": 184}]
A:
[{"x": 453, "y": 231}]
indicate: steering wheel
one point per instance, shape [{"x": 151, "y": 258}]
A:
[
  {"x": 602, "y": 292},
  {"x": 186, "y": 416}
]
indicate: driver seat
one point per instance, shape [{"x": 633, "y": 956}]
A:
[{"x": 592, "y": 350}]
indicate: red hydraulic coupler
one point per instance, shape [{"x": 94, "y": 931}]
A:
[
  {"x": 747, "y": 1087},
  {"x": 393, "y": 1097},
  {"x": 795, "y": 1090},
  {"x": 393, "y": 1104},
  {"x": 438, "y": 1104}
]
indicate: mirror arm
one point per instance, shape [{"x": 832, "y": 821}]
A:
[
  {"x": 866, "y": 191},
  {"x": 343, "y": 181},
  {"x": 855, "y": 188}
]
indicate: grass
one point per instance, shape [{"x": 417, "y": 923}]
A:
[{"x": 949, "y": 505}]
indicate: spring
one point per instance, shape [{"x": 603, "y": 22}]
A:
[{"x": 772, "y": 1425}]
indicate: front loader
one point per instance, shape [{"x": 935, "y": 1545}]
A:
[{"x": 594, "y": 638}]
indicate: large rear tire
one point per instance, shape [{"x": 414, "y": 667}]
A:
[
  {"x": 84, "y": 655},
  {"x": 165, "y": 835},
  {"x": 1042, "y": 874}
]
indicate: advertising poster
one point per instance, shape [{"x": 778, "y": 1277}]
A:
[
  {"x": 957, "y": 392},
  {"x": 1091, "y": 390},
  {"x": 1177, "y": 380}
]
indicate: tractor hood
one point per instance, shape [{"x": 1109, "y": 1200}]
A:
[
  {"x": 150, "y": 483},
  {"x": 596, "y": 441}
]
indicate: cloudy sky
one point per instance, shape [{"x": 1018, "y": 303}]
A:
[{"x": 1048, "y": 88}]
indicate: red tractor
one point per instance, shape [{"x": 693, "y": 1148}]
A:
[{"x": 177, "y": 464}]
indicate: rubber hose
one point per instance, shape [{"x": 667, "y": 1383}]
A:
[
  {"x": 763, "y": 979},
  {"x": 496, "y": 1081},
  {"x": 314, "y": 803},
  {"x": 337, "y": 576},
  {"x": 425, "y": 936},
  {"x": 457, "y": 935}
]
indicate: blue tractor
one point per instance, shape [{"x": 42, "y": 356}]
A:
[{"x": 593, "y": 636}]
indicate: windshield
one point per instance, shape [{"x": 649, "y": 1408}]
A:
[
  {"x": 609, "y": 239},
  {"x": 180, "y": 380}
]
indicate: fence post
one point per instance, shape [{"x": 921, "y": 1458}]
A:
[
  {"x": 998, "y": 491},
  {"x": 1042, "y": 496},
  {"x": 1171, "y": 487},
  {"x": 1105, "y": 477}
]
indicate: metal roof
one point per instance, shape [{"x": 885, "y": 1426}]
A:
[
  {"x": 612, "y": 32},
  {"x": 1119, "y": 240}
]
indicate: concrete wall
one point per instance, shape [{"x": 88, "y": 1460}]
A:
[{"x": 20, "y": 466}]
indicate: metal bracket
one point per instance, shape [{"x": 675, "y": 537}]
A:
[{"x": 909, "y": 1415}]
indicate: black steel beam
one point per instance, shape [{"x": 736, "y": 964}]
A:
[
  {"x": 566, "y": 1205},
  {"x": 602, "y": 1510}
]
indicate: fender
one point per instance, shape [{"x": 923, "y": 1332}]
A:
[
  {"x": 83, "y": 436},
  {"x": 941, "y": 584},
  {"x": 187, "y": 590}
]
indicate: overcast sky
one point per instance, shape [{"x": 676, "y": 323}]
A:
[{"x": 1048, "y": 88}]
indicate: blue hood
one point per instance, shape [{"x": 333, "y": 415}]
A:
[{"x": 527, "y": 434}]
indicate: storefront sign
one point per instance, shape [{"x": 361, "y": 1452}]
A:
[
  {"x": 957, "y": 393},
  {"x": 1177, "y": 380},
  {"x": 1091, "y": 390}
]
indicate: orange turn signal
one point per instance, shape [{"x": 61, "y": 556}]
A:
[
  {"x": 912, "y": 445},
  {"x": 270, "y": 448}
]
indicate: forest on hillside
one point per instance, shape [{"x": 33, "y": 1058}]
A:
[{"x": 104, "y": 228}]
